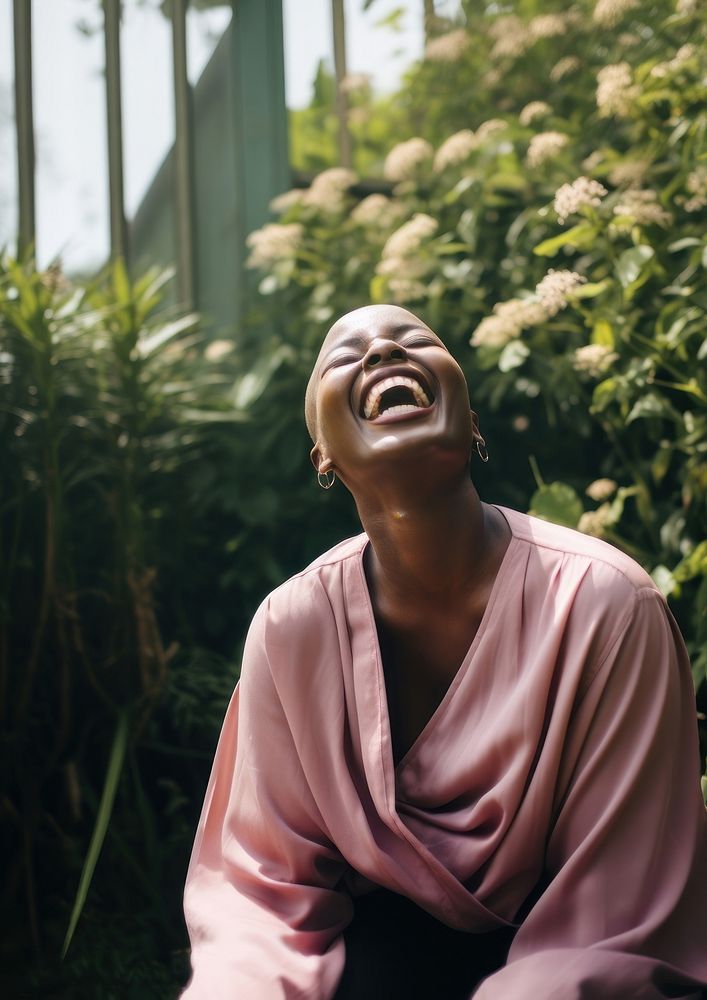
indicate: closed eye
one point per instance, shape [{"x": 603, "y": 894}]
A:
[
  {"x": 341, "y": 359},
  {"x": 422, "y": 342}
]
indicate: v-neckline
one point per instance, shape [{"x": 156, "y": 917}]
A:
[{"x": 461, "y": 672}]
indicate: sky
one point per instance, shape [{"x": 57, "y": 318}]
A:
[{"x": 69, "y": 100}]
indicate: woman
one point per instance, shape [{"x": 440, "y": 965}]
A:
[{"x": 462, "y": 749}]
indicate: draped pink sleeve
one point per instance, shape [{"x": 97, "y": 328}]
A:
[
  {"x": 263, "y": 917},
  {"x": 625, "y": 862}
]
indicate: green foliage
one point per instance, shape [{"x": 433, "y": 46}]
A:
[{"x": 106, "y": 409}]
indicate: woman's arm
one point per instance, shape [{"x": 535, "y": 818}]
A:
[
  {"x": 263, "y": 915},
  {"x": 624, "y": 913}
]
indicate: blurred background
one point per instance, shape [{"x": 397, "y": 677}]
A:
[{"x": 190, "y": 194}]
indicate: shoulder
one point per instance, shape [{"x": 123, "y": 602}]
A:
[
  {"x": 598, "y": 562},
  {"x": 307, "y": 597}
]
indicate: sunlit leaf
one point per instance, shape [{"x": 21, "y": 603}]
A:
[
  {"x": 557, "y": 502},
  {"x": 578, "y": 236},
  {"x": 633, "y": 263},
  {"x": 513, "y": 355}
]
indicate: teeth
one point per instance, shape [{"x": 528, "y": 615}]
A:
[
  {"x": 372, "y": 405},
  {"x": 402, "y": 408}
]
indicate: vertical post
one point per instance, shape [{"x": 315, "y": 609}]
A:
[
  {"x": 24, "y": 122},
  {"x": 118, "y": 229},
  {"x": 183, "y": 157},
  {"x": 339, "y": 29},
  {"x": 429, "y": 19},
  {"x": 261, "y": 162}
]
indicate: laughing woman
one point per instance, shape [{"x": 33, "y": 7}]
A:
[{"x": 462, "y": 755}]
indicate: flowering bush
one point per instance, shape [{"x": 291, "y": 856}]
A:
[{"x": 560, "y": 251}]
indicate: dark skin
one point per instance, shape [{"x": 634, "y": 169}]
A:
[{"x": 435, "y": 547}]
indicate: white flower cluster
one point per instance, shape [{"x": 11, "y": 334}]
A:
[
  {"x": 615, "y": 90},
  {"x": 563, "y": 68},
  {"x": 358, "y": 117},
  {"x": 544, "y": 146},
  {"x": 536, "y": 109},
  {"x": 376, "y": 209},
  {"x": 696, "y": 184},
  {"x": 272, "y": 243},
  {"x": 405, "y": 159},
  {"x": 286, "y": 200},
  {"x": 455, "y": 149},
  {"x": 406, "y": 240},
  {"x": 594, "y": 359},
  {"x": 629, "y": 173},
  {"x": 686, "y": 6},
  {"x": 488, "y": 128},
  {"x": 683, "y": 55},
  {"x": 218, "y": 349},
  {"x": 511, "y": 37},
  {"x": 643, "y": 208},
  {"x": 449, "y": 47},
  {"x": 328, "y": 189},
  {"x": 399, "y": 262},
  {"x": 554, "y": 288},
  {"x": 403, "y": 290},
  {"x": 570, "y": 198},
  {"x": 508, "y": 320},
  {"x": 595, "y": 522},
  {"x": 601, "y": 489},
  {"x": 547, "y": 26},
  {"x": 355, "y": 81},
  {"x": 627, "y": 40},
  {"x": 608, "y": 13},
  {"x": 595, "y": 159},
  {"x": 461, "y": 145}
]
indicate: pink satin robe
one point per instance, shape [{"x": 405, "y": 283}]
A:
[{"x": 564, "y": 754}]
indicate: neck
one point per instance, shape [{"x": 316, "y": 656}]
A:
[{"x": 428, "y": 547}]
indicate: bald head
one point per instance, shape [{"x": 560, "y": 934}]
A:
[{"x": 357, "y": 325}]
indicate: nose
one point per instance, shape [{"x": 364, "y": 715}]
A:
[{"x": 383, "y": 351}]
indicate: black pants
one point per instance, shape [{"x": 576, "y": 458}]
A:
[{"x": 397, "y": 951}]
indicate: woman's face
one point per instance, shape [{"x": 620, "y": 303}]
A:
[{"x": 386, "y": 390}]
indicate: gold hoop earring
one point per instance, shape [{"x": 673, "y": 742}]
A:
[
  {"x": 324, "y": 481},
  {"x": 481, "y": 449}
]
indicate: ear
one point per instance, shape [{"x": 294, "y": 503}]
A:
[
  {"x": 319, "y": 460},
  {"x": 476, "y": 433}
]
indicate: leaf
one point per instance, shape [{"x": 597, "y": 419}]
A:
[
  {"x": 467, "y": 226},
  {"x": 651, "y": 405},
  {"x": 591, "y": 289},
  {"x": 121, "y": 283},
  {"x": 694, "y": 564},
  {"x": 252, "y": 385},
  {"x": 632, "y": 264},
  {"x": 507, "y": 182},
  {"x": 672, "y": 337},
  {"x": 687, "y": 241},
  {"x": 163, "y": 334},
  {"x": 392, "y": 20},
  {"x": 661, "y": 463},
  {"x": 665, "y": 581},
  {"x": 557, "y": 502},
  {"x": 513, "y": 355},
  {"x": 105, "y": 808},
  {"x": 377, "y": 288},
  {"x": 578, "y": 236},
  {"x": 603, "y": 333}
]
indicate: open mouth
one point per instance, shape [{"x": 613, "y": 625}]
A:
[{"x": 396, "y": 394}]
